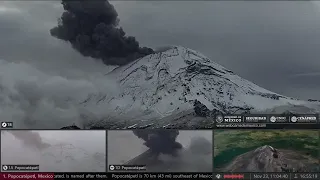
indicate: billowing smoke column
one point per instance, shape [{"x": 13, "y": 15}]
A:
[
  {"x": 91, "y": 26},
  {"x": 30, "y": 139},
  {"x": 160, "y": 140}
]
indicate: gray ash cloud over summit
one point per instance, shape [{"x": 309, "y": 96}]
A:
[
  {"x": 269, "y": 159},
  {"x": 92, "y": 29}
]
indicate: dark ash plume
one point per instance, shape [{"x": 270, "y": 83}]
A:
[
  {"x": 160, "y": 140},
  {"x": 91, "y": 26},
  {"x": 30, "y": 139}
]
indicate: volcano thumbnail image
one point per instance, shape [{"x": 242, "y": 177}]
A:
[
  {"x": 54, "y": 150},
  {"x": 266, "y": 151},
  {"x": 187, "y": 151}
]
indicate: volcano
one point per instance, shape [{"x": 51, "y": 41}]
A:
[
  {"x": 159, "y": 90},
  {"x": 269, "y": 159}
]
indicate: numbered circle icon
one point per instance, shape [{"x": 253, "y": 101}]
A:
[
  {"x": 111, "y": 167},
  {"x": 4, "y": 125},
  {"x": 4, "y": 167}
]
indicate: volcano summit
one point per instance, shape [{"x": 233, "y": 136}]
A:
[{"x": 161, "y": 89}]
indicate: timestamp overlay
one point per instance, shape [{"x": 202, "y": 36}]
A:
[{"x": 283, "y": 176}]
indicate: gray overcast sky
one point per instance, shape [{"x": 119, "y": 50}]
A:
[{"x": 274, "y": 44}]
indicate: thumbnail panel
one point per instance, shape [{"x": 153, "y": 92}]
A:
[
  {"x": 266, "y": 151},
  {"x": 160, "y": 150},
  {"x": 53, "y": 150}
]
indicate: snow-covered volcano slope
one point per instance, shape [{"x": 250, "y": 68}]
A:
[
  {"x": 168, "y": 82},
  {"x": 157, "y": 90}
]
